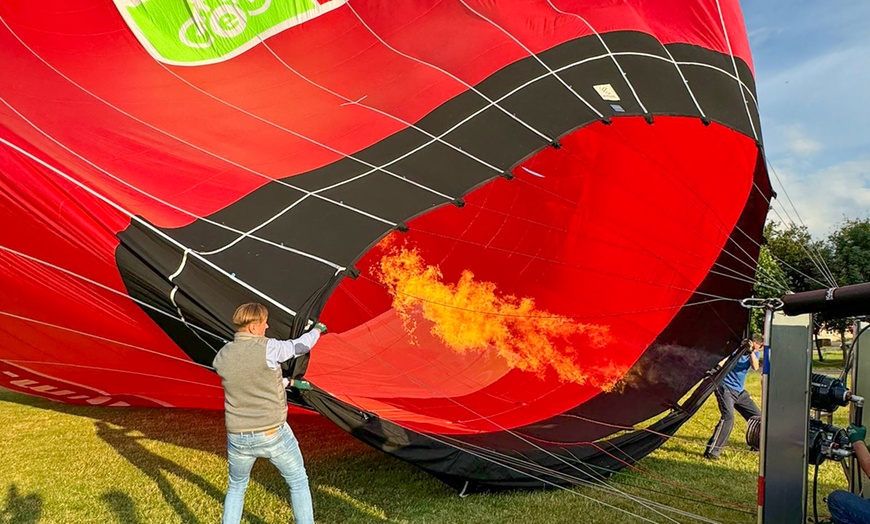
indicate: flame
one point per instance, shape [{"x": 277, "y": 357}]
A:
[{"x": 472, "y": 315}]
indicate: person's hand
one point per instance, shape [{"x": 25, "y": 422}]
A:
[
  {"x": 320, "y": 326},
  {"x": 856, "y": 433}
]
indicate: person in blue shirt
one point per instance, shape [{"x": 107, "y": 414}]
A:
[{"x": 731, "y": 394}]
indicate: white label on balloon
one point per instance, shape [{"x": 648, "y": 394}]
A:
[{"x": 606, "y": 92}]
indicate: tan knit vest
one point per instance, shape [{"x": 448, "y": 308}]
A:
[{"x": 254, "y": 396}]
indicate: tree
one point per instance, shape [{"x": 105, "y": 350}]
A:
[
  {"x": 797, "y": 254},
  {"x": 799, "y": 259},
  {"x": 849, "y": 246}
]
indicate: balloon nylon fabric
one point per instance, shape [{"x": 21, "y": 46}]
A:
[{"x": 587, "y": 172}]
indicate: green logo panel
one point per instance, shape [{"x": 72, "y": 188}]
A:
[{"x": 192, "y": 32}]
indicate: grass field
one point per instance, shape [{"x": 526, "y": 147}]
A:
[{"x": 69, "y": 464}]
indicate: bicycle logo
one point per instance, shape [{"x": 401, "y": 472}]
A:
[
  {"x": 226, "y": 19},
  {"x": 198, "y": 32}
]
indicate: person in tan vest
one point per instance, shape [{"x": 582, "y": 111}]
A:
[{"x": 255, "y": 406}]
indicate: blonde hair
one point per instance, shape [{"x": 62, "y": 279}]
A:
[{"x": 249, "y": 313}]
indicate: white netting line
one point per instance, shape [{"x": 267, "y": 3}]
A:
[
  {"x": 538, "y": 59},
  {"x": 736, "y": 72}
]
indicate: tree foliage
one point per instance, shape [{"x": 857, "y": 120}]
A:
[
  {"x": 799, "y": 256},
  {"x": 793, "y": 257},
  {"x": 850, "y": 247}
]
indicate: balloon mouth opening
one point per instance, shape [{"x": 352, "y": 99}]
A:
[{"x": 542, "y": 291}]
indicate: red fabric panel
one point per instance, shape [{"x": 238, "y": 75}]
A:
[{"x": 60, "y": 323}]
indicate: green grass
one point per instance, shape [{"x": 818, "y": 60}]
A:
[
  {"x": 833, "y": 360},
  {"x": 72, "y": 464}
]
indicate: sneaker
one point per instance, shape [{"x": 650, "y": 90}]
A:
[{"x": 708, "y": 456}]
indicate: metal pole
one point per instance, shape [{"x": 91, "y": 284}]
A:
[
  {"x": 860, "y": 386},
  {"x": 765, "y": 374}
]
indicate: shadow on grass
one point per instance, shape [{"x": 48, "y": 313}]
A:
[
  {"x": 26, "y": 509},
  {"x": 122, "y": 506},
  {"x": 349, "y": 480},
  {"x": 157, "y": 468}
]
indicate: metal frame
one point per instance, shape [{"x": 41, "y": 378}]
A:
[
  {"x": 860, "y": 385},
  {"x": 782, "y": 471}
]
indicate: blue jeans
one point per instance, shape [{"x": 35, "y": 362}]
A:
[
  {"x": 282, "y": 449},
  {"x": 848, "y": 508}
]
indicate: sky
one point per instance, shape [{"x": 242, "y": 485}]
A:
[{"x": 812, "y": 70}]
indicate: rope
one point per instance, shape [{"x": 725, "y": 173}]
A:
[
  {"x": 801, "y": 273},
  {"x": 817, "y": 259}
]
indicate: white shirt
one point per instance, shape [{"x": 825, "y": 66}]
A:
[{"x": 278, "y": 351}]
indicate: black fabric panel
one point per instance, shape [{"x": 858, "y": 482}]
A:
[
  {"x": 203, "y": 236},
  {"x": 322, "y": 229},
  {"x": 716, "y": 93},
  {"x": 385, "y": 196},
  {"x": 260, "y": 205},
  {"x": 442, "y": 168},
  {"x": 327, "y": 175},
  {"x": 494, "y": 137},
  {"x": 207, "y": 298},
  {"x": 286, "y": 277},
  {"x": 659, "y": 81},
  {"x": 547, "y": 105},
  {"x": 423, "y": 161},
  {"x": 143, "y": 260},
  {"x": 589, "y": 66}
]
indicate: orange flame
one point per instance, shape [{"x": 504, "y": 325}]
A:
[{"x": 472, "y": 316}]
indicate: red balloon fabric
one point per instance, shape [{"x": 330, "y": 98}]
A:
[{"x": 527, "y": 224}]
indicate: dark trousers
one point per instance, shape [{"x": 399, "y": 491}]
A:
[{"x": 728, "y": 401}]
